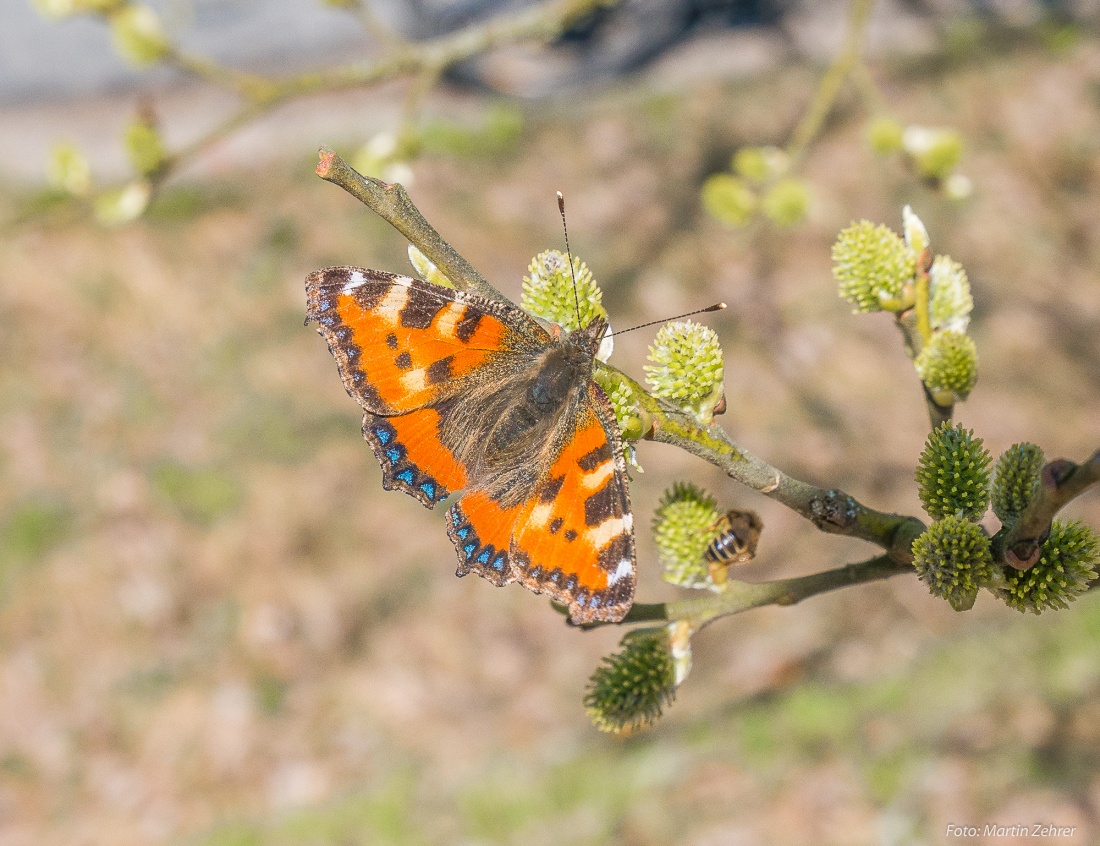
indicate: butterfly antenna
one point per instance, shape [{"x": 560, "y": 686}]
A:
[
  {"x": 715, "y": 307},
  {"x": 569, "y": 255}
]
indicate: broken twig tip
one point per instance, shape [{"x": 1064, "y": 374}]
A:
[{"x": 326, "y": 156}]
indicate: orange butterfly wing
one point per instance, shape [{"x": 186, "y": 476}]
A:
[{"x": 574, "y": 538}]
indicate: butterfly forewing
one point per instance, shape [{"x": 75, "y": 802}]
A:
[{"x": 403, "y": 343}]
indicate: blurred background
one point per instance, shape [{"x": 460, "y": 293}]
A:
[{"x": 217, "y": 629}]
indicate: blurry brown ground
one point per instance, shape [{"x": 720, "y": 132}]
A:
[{"x": 216, "y": 628}]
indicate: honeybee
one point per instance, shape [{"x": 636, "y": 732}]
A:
[{"x": 735, "y": 543}]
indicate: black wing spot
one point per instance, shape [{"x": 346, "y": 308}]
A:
[
  {"x": 420, "y": 309},
  {"x": 391, "y": 341},
  {"x": 600, "y": 505},
  {"x": 593, "y": 459},
  {"x": 404, "y": 361},
  {"x": 465, "y": 328},
  {"x": 551, "y": 489},
  {"x": 440, "y": 371}
]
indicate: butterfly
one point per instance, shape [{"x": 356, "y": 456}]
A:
[{"x": 465, "y": 394}]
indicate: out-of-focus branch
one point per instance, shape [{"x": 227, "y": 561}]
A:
[
  {"x": 423, "y": 61},
  {"x": 841, "y": 68}
]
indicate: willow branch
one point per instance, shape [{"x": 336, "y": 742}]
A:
[
  {"x": 742, "y": 596},
  {"x": 424, "y": 60},
  {"x": 541, "y": 23},
  {"x": 1061, "y": 481},
  {"x": 829, "y": 509},
  {"x": 907, "y": 323},
  {"x": 391, "y": 202}
]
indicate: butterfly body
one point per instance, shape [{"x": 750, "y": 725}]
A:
[{"x": 462, "y": 393}]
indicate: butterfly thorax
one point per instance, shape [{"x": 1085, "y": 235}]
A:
[{"x": 524, "y": 408}]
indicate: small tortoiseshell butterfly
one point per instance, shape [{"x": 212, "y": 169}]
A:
[{"x": 463, "y": 393}]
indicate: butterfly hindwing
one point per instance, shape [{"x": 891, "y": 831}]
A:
[
  {"x": 573, "y": 538},
  {"x": 413, "y": 458},
  {"x": 481, "y": 531}
]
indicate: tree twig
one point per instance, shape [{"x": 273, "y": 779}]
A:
[
  {"x": 1061, "y": 481},
  {"x": 425, "y": 60},
  {"x": 391, "y": 202},
  {"x": 829, "y": 509},
  {"x": 829, "y": 87},
  {"x": 744, "y": 596}
]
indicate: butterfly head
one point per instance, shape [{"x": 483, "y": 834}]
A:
[{"x": 593, "y": 339}]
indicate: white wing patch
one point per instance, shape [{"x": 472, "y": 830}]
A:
[
  {"x": 356, "y": 279},
  {"x": 625, "y": 568}
]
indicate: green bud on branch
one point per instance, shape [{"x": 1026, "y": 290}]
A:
[
  {"x": 952, "y": 557},
  {"x": 953, "y": 474},
  {"x": 138, "y": 36},
  {"x": 948, "y": 366},
  {"x": 729, "y": 199},
  {"x": 548, "y": 291},
  {"x": 687, "y": 367},
  {"x": 633, "y": 686},
  {"x": 873, "y": 268},
  {"x": 1015, "y": 480},
  {"x": 426, "y": 270},
  {"x": 685, "y": 523}
]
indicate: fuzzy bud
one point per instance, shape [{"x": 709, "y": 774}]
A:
[
  {"x": 426, "y": 269},
  {"x": 1065, "y": 567},
  {"x": 634, "y": 685},
  {"x": 138, "y": 36},
  {"x": 685, "y": 523},
  {"x": 548, "y": 291},
  {"x": 953, "y": 474},
  {"x": 759, "y": 164},
  {"x": 122, "y": 205},
  {"x": 872, "y": 267},
  {"x": 787, "y": 202},
  {"x": 633, "y": 422},
  {"x": 916, "y": 235},
  {"x": 687, "y": 367},
  {"x": 66, "y": 8},
  {"x": 729, "y": 199},
  {"x": 68, "y": 170},
  {"x": 679, "y": 645},
  {"x": 958, "y": 186},
  {"x": 952, "y": 557},
  {"x": 884, "y": 136},
  {"x": 948, "y": 366},
  {"x": 144, "y": 146},
  {"x": 1015, "y": 480},
  {"x": 384, "y": 157},
  {"x": 935, "y": 152},
  {"x": 950, "y": 302}
]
